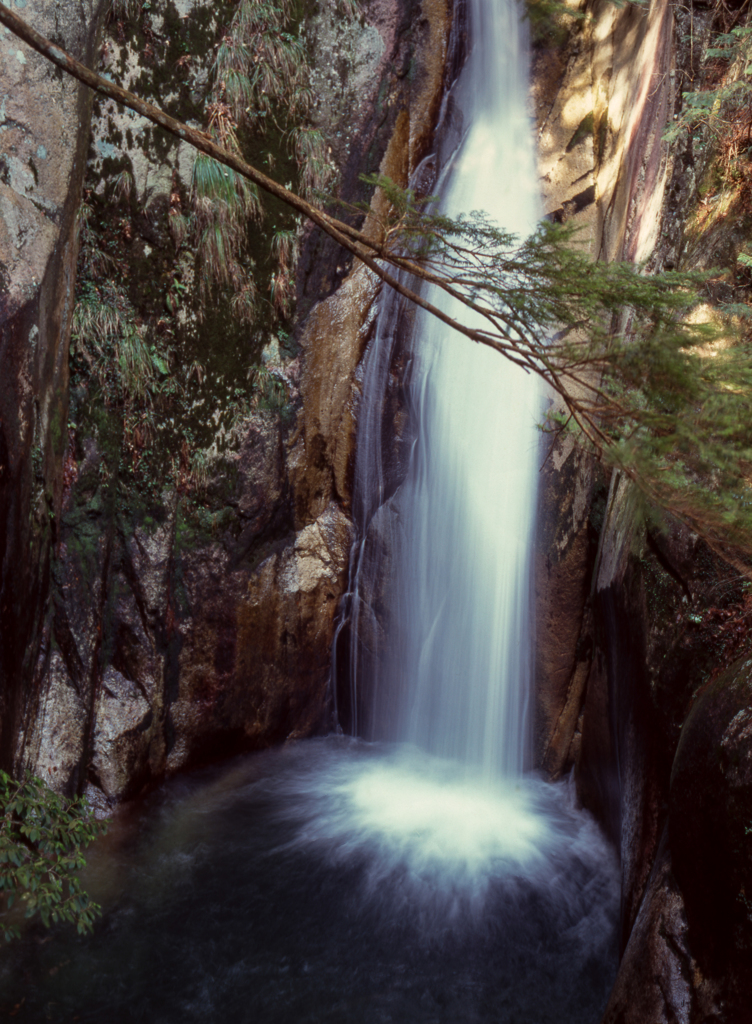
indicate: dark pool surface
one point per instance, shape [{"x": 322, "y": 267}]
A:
[{"x": 342, "y": 882}]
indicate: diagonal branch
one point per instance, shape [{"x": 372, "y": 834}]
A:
[
  {"x": 356, "y": 242},
  {"x": 526, "y": 293}
]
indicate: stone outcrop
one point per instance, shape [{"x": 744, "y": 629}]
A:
[
  {"x": 667, "y": 615},
  {"x": 710, "y": 826},
  {"x": 687, "y": 957},
  {"x": 562, "y": 87},
  {"x": 654, "y": 978},
  {"x": 604, "y": 167}
]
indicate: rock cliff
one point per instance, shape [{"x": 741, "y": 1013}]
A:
[
  {"x": 42, "y": 166},
  {"x": 637, "y": 615},
  {"x": 186, "y": 565}
]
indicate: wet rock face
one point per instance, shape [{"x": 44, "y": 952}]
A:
[
  {"x": 666, "y": 616},
  {"x": 321, "y": 463},
  {"x": 710, "y": 818},
  {"x": 666, "y": 612},
  {"x": 566, "y": 547},
  {"x": 654, "y": 979},
  {"x": 175, "y": 644},
  {"x": 688, "y": 955},
  {"x": 251, "y": 646},
  {"x": 122, "y": 724},
  {"x": 604, "y": 167},
  {"x": 378, "y": 90},
  {"x": 627, "y": 641},
  {"x": 43, "y": 138}
]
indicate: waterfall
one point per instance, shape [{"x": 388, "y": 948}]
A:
[
  {"x": 447, "y": 667},
  {"x": 416, "y": 875}
]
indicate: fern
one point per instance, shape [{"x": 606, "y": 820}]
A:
[
  {"x": 718, "y": 107},
  {"x": 260, "y": 84}
]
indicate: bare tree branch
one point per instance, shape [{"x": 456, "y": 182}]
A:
[{"x": 356, "y": 242}]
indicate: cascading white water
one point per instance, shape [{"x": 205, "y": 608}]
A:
[
  {"x": 454, "y": 677},
  {"x": 440, "y": 605}
]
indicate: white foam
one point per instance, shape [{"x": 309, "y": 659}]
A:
[
  {"x": 437, "y": 843},
  {"x": 465, "y": 824}
]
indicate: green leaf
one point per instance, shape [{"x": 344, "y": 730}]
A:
[{"x": 42, "y": 835}]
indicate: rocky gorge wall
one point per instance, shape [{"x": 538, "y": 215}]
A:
[
  {"x": 643, "y": 630},
  {"x": 183, "y": 606}
]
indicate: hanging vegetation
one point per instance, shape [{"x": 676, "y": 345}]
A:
[
  {"x": 158, "y": 282},
  {"x": 260, "y": 86}
]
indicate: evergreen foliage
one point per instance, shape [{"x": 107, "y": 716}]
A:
[
  {"x": 42, "y": 836},
  {"x": 652, "y": 380},
  {"x": 724, "y": 105}
]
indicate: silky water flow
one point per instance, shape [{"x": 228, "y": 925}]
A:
[
  {"x": 417, "y": 873},
  {"x": 452, "y": 674}
]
